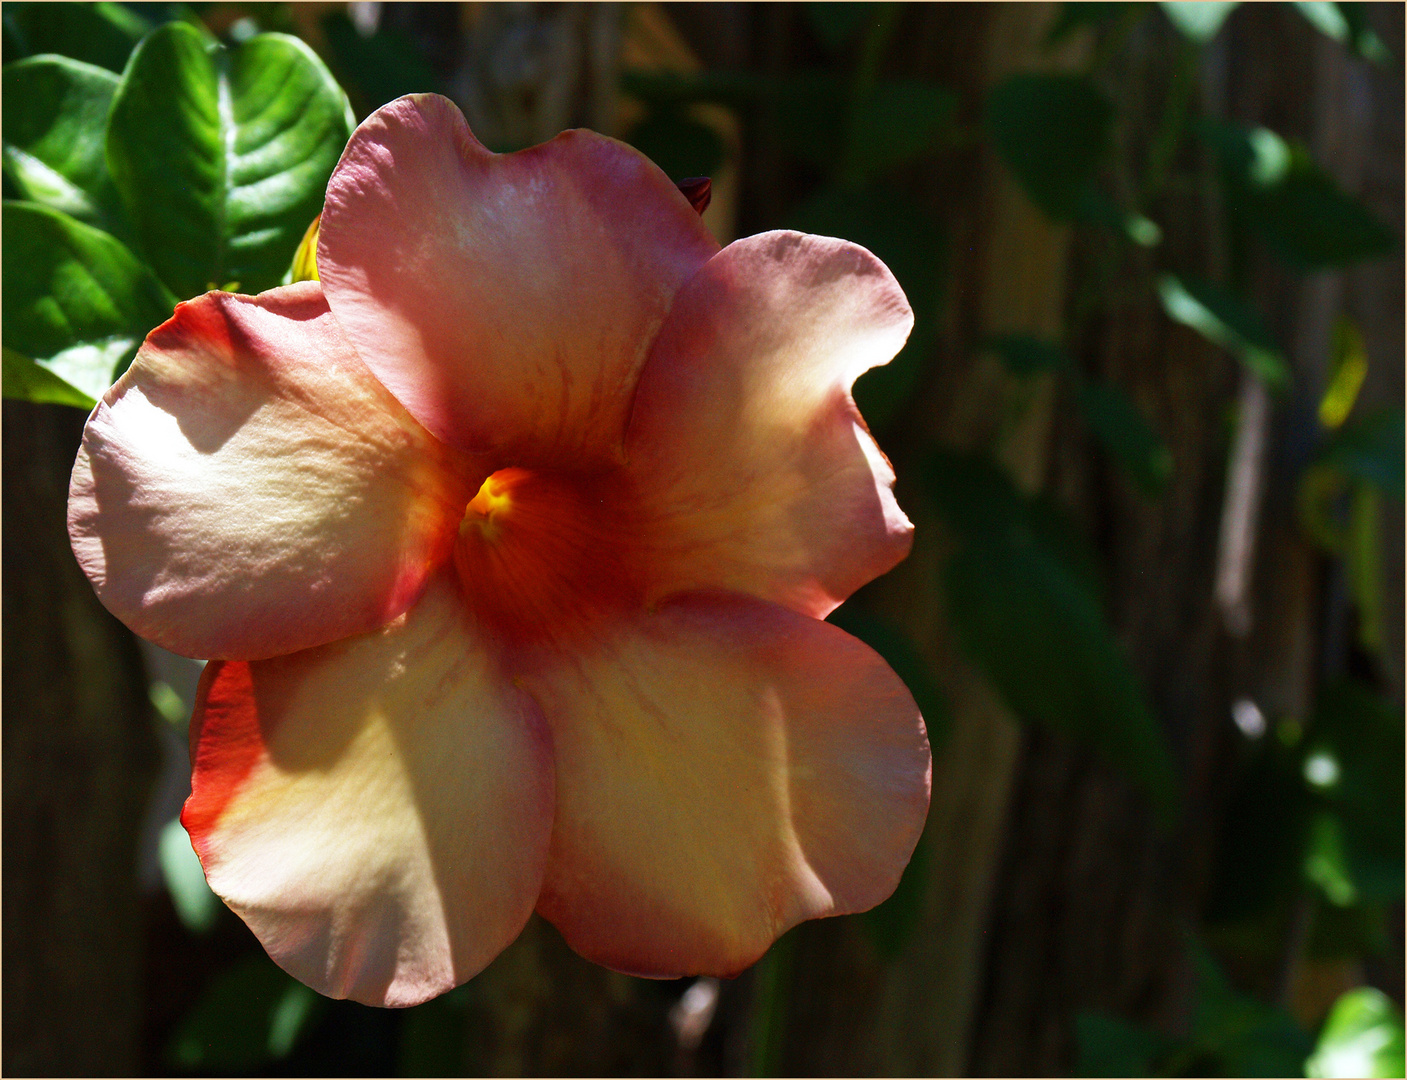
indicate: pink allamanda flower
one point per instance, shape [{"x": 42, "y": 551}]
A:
[{"x": 511, "y": 540}]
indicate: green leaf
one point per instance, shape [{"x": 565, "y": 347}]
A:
[
  {"x": 1362, "y": 1037},
  {"x": 896, "y": 122},
  {"x": 55, "y": 118},
  {"x": 1363, "y": 37},
  {"x": 1314, "y": 224},
  {"x": 900, "y": 653},
  {"x": 1225, "y": 320},
  {"x": 678, "y": 143},
  {"x": 102, "y": 34},
  {"x": 195, "y": 904},
  {"x": 1246, "y": 1037},
  {"x": 913, "y": 245},
  {"x": 1027, "y": 355},
  {"x": 76, "y": 300},
  {"x": 28, "y": 381},
  {"x": 1324, "y": 862},
  {"x": 1053, "y": 133},
  {"x": 1278, "y": 192},
  {"x": 249, "y": 1014},
  {"x": 380, "y": 67},
  {"x": 1127, "y": 435},
  {"x": 1098, "y": 208},
  {"x": 222, "y": 156},
  {"x": 1370, "y": 448},
  {"x": 735, "y": 89},
  {"x": 1324, "y": 17},
  {"x": 1348, "y": 25},
  {"x": 1360, "y": 734},
  {"x": 1109, "y": 1046},
  {"x": 1028, "y": 617},
  {"x": 1348, "y": 367},
  {"x": 1365, "y": 566},
  {"x": 1199, "y": 20}
]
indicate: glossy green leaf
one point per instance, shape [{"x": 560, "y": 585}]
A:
[
  {"x": 1026, "y": 355},
  {"x": 195, "y": 904},
  {"x": 1362, "y": 1036},
  {"x": 27, "y": 380},
  {"x": 76, "y": 300},
  {"x": 103, "y": 34},
  {"x": 1200, "y": 20},
  {"x": 1028, "y": 617},
  {"x": 913, "y": 245},
  {"x": 1225, "y": 320},
  {"x": 1053, "y": 133},
  {"x": 55, "y": 120},
  {"x": 248, "y": 1015},
  {"x": 1127, "y": 435},
  {"x": 221, "y": 156}
]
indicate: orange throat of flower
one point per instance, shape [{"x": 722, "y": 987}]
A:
[{"x": 542, "y": 557}]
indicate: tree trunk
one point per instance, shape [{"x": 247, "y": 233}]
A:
[{"x": 79, "y": 758}]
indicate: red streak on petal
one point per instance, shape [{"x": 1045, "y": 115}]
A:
[
  {"x": 542, "y": 557},
  {"x": 699, "y": 191},
  {"x": 226, "y": 743}
]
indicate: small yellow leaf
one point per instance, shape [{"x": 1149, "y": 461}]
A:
[
  {"x": 1348, "y": 367},
  {"x": 305, "y": 259}
]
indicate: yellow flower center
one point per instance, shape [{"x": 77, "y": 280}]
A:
[
  {"x": 487, "y": 507},
  {"x": 541, "y": 556}
]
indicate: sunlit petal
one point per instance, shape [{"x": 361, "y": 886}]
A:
[
  {"x": 506, "y": 300},
  {"x": 377, "y": 810},
  {"x": 752, "y": 468},
  {"x": 725, "y": 769},
  {"x": 248, "y": 489}
]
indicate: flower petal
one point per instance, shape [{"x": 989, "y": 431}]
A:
[
  {"x": 725, "y": 769},
  {"x": 507, "y": 300},
  {"x": 377, "y": 810},
  {"x": 752, "y": 465},
  {"x": 248, "y": 489}
]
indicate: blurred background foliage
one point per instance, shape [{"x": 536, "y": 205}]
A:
[{"x": 1149, "y": 424}]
